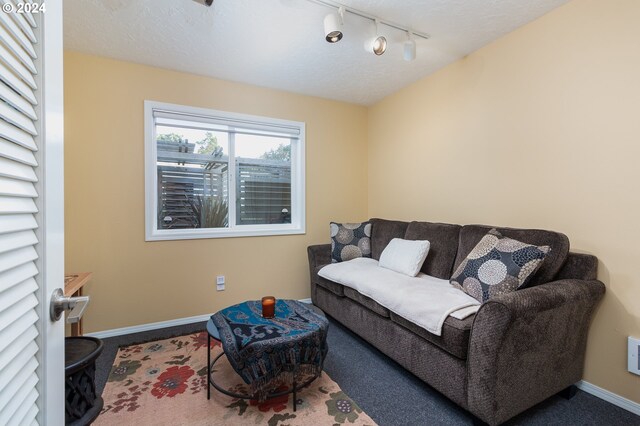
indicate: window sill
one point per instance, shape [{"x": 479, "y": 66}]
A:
[{"x": 196, "y": 234}]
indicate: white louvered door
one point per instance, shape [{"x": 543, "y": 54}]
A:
[{"x": 31, "y": 245}]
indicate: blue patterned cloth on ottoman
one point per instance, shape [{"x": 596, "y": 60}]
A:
[{"x": 261, "y": 349}]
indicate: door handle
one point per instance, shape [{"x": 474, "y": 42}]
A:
[{"x": 61, "y": 303}]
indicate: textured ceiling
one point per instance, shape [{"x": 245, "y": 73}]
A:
[{"x": 280, "y": 43}]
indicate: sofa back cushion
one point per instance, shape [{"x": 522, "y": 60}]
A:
[
  {"x": 383, "y": 231},
  {"x": 444, "y": 246},
  {"x": 470, "y": 235}
]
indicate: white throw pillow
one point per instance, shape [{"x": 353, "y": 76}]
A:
[{"x": 405, "y": 256}]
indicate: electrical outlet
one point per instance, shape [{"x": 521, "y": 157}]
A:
[
  {"x": 220, "y": 282},
  {"x": 634, "y": 355}
]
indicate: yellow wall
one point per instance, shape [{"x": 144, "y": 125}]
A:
[
  {"x": 137, "y": 282},
  {"x": 538, "y": 129}
]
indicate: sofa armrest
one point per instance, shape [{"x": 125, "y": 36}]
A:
[
  {"x": 527, "y": 345},
  {"x": 319, "y": 255}
]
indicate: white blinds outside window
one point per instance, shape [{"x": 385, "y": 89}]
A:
[{"x": 18, "y": 332}]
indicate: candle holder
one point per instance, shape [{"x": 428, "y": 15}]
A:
[{"x": 268, "y": 307}]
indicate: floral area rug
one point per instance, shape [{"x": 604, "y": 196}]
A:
[{"x": 165, "y": 383}]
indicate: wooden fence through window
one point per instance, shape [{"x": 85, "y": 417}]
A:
[{"x": 263, "y": 187}]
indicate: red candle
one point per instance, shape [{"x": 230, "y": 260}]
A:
[{"x": 268, "y": 307}]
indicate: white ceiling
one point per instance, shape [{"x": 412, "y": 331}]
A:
[{"x": 280, "y": 43}]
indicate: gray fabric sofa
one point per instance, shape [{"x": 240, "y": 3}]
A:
[{"x": 516, "y": 351}]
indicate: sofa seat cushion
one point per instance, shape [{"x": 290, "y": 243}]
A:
[
  {"x": 333, "y": 287},
  {"x": 454, "y": 338},
  {"x": 424, "y": 300},
  {"x": 367, "y": 302}
]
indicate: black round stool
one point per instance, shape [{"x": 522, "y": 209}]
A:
[{"x": 82, "y": 405}]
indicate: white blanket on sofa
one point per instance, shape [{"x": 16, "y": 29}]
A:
[{"x": 423, "y": 300}]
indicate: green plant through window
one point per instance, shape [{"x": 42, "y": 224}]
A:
[{"x": 210, "y": 212}]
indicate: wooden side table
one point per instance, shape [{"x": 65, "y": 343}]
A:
[{"x": 73, "y": 284}]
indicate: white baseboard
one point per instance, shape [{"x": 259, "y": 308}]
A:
[
  {"x": 156, "y": 325},
  {"x": 307, "y": 300},
  {"x": 147, "y": 327},
  {"x": 608, "y": 396}
]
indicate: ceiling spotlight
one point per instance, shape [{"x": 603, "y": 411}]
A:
[
  {"x": 409, "y": 48},
  {"x": 333, "y": 26},
  {"x": 377, "y": 44},
  {"x": 204, "y": 2}
]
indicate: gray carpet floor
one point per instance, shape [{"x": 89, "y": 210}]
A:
[{"x": 392, "y": 396}]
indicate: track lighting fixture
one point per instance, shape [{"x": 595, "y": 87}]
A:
[
  {"x": 333, "y": 26},
  {"x": 377, "y": 44},
  {"x": 409, "y": 53},
  {"x": 204, "y": 2}
]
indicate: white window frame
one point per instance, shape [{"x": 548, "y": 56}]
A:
[{"x": 298, "y": 201}]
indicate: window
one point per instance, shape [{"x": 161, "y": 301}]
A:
[{"x": 217, "y": 174}]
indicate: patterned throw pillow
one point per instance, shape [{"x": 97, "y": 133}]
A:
[
  {"x": 497, "y": 265},
  {"x": 350, "y": 240}
]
